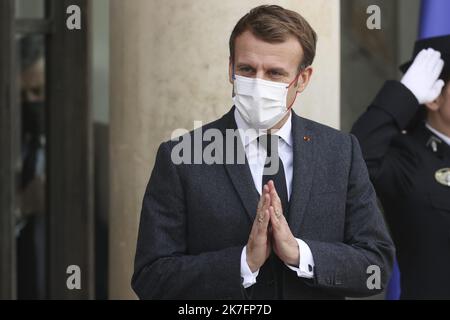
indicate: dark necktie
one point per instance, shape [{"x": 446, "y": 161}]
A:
[{"x": 274, "y": 169}]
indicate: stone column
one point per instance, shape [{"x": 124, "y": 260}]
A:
[{"x": 169, "y": 67}]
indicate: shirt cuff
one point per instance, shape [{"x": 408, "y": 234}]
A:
[
  {"x": 306, "y": 263},
  {"x": 247, "y": 276}
]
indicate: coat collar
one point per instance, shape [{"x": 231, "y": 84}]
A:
[{"x": 432, "y": 142}]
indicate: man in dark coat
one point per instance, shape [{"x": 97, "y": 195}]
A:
[
  {"x": 405, "y": 140},
  {"x": 233, "y": 230}
]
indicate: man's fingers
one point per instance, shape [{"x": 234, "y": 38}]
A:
[
  {"x": 275, "y": 199},
  {"x": 262, "y": 198},
  {"x": 274, "y": 195},
  {"x": 271, "y": 186},
  {"x": 266, "y": 202},
  {"x": 274, "y": 218},
  {"x": 262, "y": 217},
  {"x": 275, "y": 203},
  {"x": 264, "y": 222},
  {"x": 260, "y": 203}
]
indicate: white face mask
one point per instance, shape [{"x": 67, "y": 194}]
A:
[{"x": 261, "y": 103}]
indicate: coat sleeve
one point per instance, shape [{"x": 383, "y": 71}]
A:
[
  {"x": 343, "y": 268},
  {"x": 164, "y": 269},
  {"x": 389, "y": 155}
]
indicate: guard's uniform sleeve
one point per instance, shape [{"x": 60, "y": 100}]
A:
[{"x": 389, "y": 155}]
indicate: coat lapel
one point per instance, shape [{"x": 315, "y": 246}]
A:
[
  {"x": 303, "y": 171},
  {"x": 240, "y": 174}
]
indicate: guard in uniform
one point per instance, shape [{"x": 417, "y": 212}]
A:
[{"x": 404, "y": 136}]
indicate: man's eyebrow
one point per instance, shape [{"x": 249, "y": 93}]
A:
[
  {"x": 240, "y": 65},
  {"x": 279, "y": 70}
]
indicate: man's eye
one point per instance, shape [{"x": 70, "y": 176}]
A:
[
  {"x": 275, "y": 74},
  {"x": 245, "y": 69}
]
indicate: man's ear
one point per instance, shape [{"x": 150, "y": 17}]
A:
[
  {"x": 304, "y": 78},
  {"x": 433, "y": 105}
]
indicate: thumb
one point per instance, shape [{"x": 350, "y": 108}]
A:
[{"x": 436, "y": 90}]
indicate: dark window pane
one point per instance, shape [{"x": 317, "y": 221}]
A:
[{"x": 30, "y": 9}]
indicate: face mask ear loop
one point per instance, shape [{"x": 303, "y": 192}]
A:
[
  {"x": 292, "y": 82},
  {"x": 296, "y": 93}
]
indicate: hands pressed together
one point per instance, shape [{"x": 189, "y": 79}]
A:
[{"x": 270, "y": 231}]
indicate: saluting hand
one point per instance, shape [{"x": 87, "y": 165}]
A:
[{"x": 422, "y": 76}]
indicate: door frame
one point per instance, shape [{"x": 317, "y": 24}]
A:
[
  {"x": 70, "y": 154},
  {"x": 7, "y": 168}
]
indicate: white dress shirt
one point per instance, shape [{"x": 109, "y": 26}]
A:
[
  {"x": 256, "y": 157},
  {"x": 440, "y": 135}
]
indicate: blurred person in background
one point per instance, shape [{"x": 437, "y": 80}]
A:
[{"x": 30, "y": 228}]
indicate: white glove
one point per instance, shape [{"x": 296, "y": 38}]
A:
[{"x": 422, "y": 76}]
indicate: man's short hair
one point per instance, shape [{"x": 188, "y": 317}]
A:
[{"x": 275, "y": 24}]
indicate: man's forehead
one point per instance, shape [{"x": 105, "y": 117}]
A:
[
  {"x": 251, "y": 50},
  {"x": 266, "y": 61}
]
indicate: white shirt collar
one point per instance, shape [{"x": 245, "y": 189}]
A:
[
  {"x": 440, "y": 135},
  {"x": 285, "y": 132}
]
